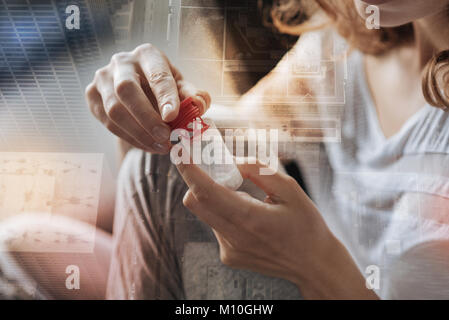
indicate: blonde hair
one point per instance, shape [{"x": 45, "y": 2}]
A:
[{"x": 292, "y": 17}]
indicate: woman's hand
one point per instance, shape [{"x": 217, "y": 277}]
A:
[
  {"x": 137, "y": 93},
  {"x": 284, "y": 236},
  {"x": 278, "y": 237}
]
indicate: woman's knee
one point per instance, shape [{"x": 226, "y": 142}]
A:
[{"x": 143, "y": 187}]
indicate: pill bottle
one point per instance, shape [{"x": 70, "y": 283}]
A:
[{"x": 205, "y": 145}]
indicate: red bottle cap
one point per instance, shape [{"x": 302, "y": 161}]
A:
[{"x": 188, "y": 113}]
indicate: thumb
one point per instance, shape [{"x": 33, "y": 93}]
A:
[
  {"x": 277, "y": 185},
  {"x": 200, "y": 98}
]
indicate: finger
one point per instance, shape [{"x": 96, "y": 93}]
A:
[
  {"x": 277, "y": 186},
  {"x": 207, "y": 215},
  {"x": 131, "y": 95},
  {"x": 96, "y": 105},
  {"x": 225, "y": 203},
  {"x": 120, "y": 116},
  {"x": 157, "y": 71},
  {"x": 200, "y": 98}
]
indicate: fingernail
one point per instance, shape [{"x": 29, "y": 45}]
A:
[
  {"x": 166, "y": 110},
  {"x": 160, "y": 147},
  {"x": 161, "y": 134}
]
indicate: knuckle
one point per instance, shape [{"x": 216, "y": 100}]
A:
[
  {"x": 120, "y": 57},
  {"x": 115, "y": 111},
  {"x": 160, "y": 77},
  {"x": 146, "y": 47},
  {"x": 97, "y": 111},
  {"x": 125, "y": 88},
  {"x": 201, "y": 194},
  {"x": 101, "y": 73}
]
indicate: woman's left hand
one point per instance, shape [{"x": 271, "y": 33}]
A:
[{"x": 284, "y": 236}]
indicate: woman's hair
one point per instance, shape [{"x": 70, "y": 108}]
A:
[{"x": 292, "y": 17}]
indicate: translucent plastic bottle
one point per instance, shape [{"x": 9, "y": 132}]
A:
[{"x": 206, "y": 146}]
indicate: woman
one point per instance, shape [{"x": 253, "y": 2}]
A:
[{"x": 381, "y": 209}]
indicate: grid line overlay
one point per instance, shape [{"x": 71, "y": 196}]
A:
[{"x": 43, "y": 71}]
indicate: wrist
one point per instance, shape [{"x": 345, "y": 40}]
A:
[
  {"x": 312, "y": 279},
  {"x": 333, "y": 274}
]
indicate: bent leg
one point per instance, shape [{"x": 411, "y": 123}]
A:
[
  {"x": 162, "y": 251},
  {"x": 150, "y": 220}
]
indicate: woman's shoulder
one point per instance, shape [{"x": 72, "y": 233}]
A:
[{"x": 322, "y": 43}]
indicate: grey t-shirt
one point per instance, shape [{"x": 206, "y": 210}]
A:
[{"x": 387, "y": 199}]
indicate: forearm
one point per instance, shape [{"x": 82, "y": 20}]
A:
[{"x": 336, "y": 276}]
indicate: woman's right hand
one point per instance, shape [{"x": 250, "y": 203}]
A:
[{"x": 137, "y": 93}]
